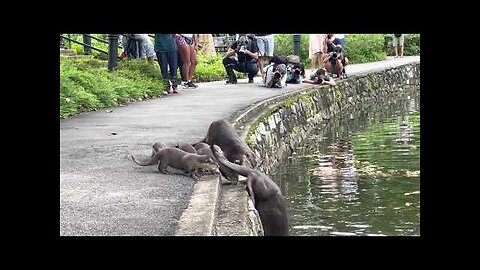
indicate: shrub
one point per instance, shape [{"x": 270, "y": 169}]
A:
[{"x": 85, "y": 84}]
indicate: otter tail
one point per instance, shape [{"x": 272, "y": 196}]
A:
[
  {"x": 242, "y": 170},
  {"x": 152, "y": 161}
]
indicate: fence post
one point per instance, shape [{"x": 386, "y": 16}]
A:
[
  {"x": 296, "y": 44},
  {"x": 87, "y": 40},
  {"x": 112, "y": 50}
]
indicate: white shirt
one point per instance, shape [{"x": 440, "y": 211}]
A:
[{"x": 269, "y": 75}]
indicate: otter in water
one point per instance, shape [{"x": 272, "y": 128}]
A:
[{"x": 265, "y": 194}]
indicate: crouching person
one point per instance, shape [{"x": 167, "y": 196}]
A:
[
  {"x": 320, "y": 76},
  {"x": 275, "y": 76},
  {"x": 246, "y": 50},
  {"x": 295, "y": 73}
]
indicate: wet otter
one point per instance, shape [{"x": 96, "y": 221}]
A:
[
  {"x": 179, "y": 159},
  {"x": 265, "y": 194},
  {"x": 222, "y": 134}
]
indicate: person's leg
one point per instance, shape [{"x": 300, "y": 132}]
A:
[
  {"x": 261, "y": 53},
  {"x": 395, "y": 47},
  {"x": 252, "y": 70},
  {"x": 185, "y": 54},
  {"x": 193, "y": 65},
  {"x": 401, "y": 45},
  {"x": 320, "y": 58},
  {"x": 162, "y": 61},
  {"x": 172, "y": 57},
  {"x": 229, "y": 64}
]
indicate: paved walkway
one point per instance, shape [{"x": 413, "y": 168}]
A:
[{"x": 102, "y": 192}]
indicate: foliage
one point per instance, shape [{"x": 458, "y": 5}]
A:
[
  {"x": 85, "y": 84},
  {"x": 364, "y": 48}
]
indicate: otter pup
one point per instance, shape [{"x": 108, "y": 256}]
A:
[
  {"x": 179, "y": 159},
  {"x": 222, "y": 134},
  {"x": 265, "y": 194}
]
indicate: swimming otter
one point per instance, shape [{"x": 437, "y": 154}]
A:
[
  {"x": 179, "y": 159},
  {"x": 265, "y": 194}
]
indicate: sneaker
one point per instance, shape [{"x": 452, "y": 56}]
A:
[
  {"x": 250, "y": 80},
  {"x": 231, "y": 82},
  {"x": 191, "y": 85}
]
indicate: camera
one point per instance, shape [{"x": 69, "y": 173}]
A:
[{"x": 276, "y": 75}]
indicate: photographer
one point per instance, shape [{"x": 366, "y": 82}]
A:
[
  {"x": 246, "y": 50},
  {"x": 320, "y": 76},
  {"x": 275, "y": 76},
  {"x": 295, "y": 73},
  {"x": 334, "y": 62}
]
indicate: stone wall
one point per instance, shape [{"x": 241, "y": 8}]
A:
[{"x": 273, "y": 128}]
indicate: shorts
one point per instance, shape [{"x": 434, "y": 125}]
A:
[
  {"x": 397, "y": 40},
  {"x": 265, "y": 45}
]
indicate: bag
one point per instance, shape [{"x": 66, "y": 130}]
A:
[
  {"x": 398, "y": 35},
  {"x": 279, "y": 60},
  {"x": 293, "y": 59},
  {"x": 188, "y": 40}
]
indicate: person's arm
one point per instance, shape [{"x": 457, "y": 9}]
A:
[
  {"x": 252, "y": 55},
  {"x": 231, "y": 52},
  {"x": 329, "y": 82}
]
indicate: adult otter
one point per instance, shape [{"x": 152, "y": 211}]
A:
[
  {"x": 204, "y": 149},
  {"x": 266, "y": 196},
  {"x": 222, "y": 134},
  {"x": 179, "y": 159},
  {"x": 182, "y": 146},
  {"x": 156, "y": 147}
]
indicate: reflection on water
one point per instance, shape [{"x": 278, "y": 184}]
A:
[{"x": 358, "y": 174}]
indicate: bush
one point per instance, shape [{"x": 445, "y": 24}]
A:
[
  {"x": 86, "y": 84},
  {"x": 364, "y": 48}
]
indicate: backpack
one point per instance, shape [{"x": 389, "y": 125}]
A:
[{"x": 293, "y": 59}]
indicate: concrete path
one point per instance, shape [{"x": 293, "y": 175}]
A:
[{"x": 102, "y": 192}]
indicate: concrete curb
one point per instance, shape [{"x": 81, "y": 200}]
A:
[{"x": 199, "y": 217}]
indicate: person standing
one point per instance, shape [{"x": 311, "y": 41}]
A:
[
  {"x": 317, "y": 49},
  {"x": 266, "y": 46},
  {"x": 398, "y": 41},
  {"x": 166, "y": 50}
]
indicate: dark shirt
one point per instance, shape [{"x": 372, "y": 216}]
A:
[
  {"x": 164, "y": 43},
  {"x": 251, "y": 46}
]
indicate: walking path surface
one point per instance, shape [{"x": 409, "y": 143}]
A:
[{"x": 102, "y": 192}]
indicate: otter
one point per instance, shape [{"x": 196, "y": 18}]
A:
[
  {"x": 179, "y": 159},
  {"x": 265, "y": 194},
  {"x": 204, "y": 149},
  {"x": 182, "y": 146},
  {"x": 221, "y": 133},
  {"x": 156, "y": 147}
]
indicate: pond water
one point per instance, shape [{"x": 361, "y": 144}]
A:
[{"x": 358, "y": 175}]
